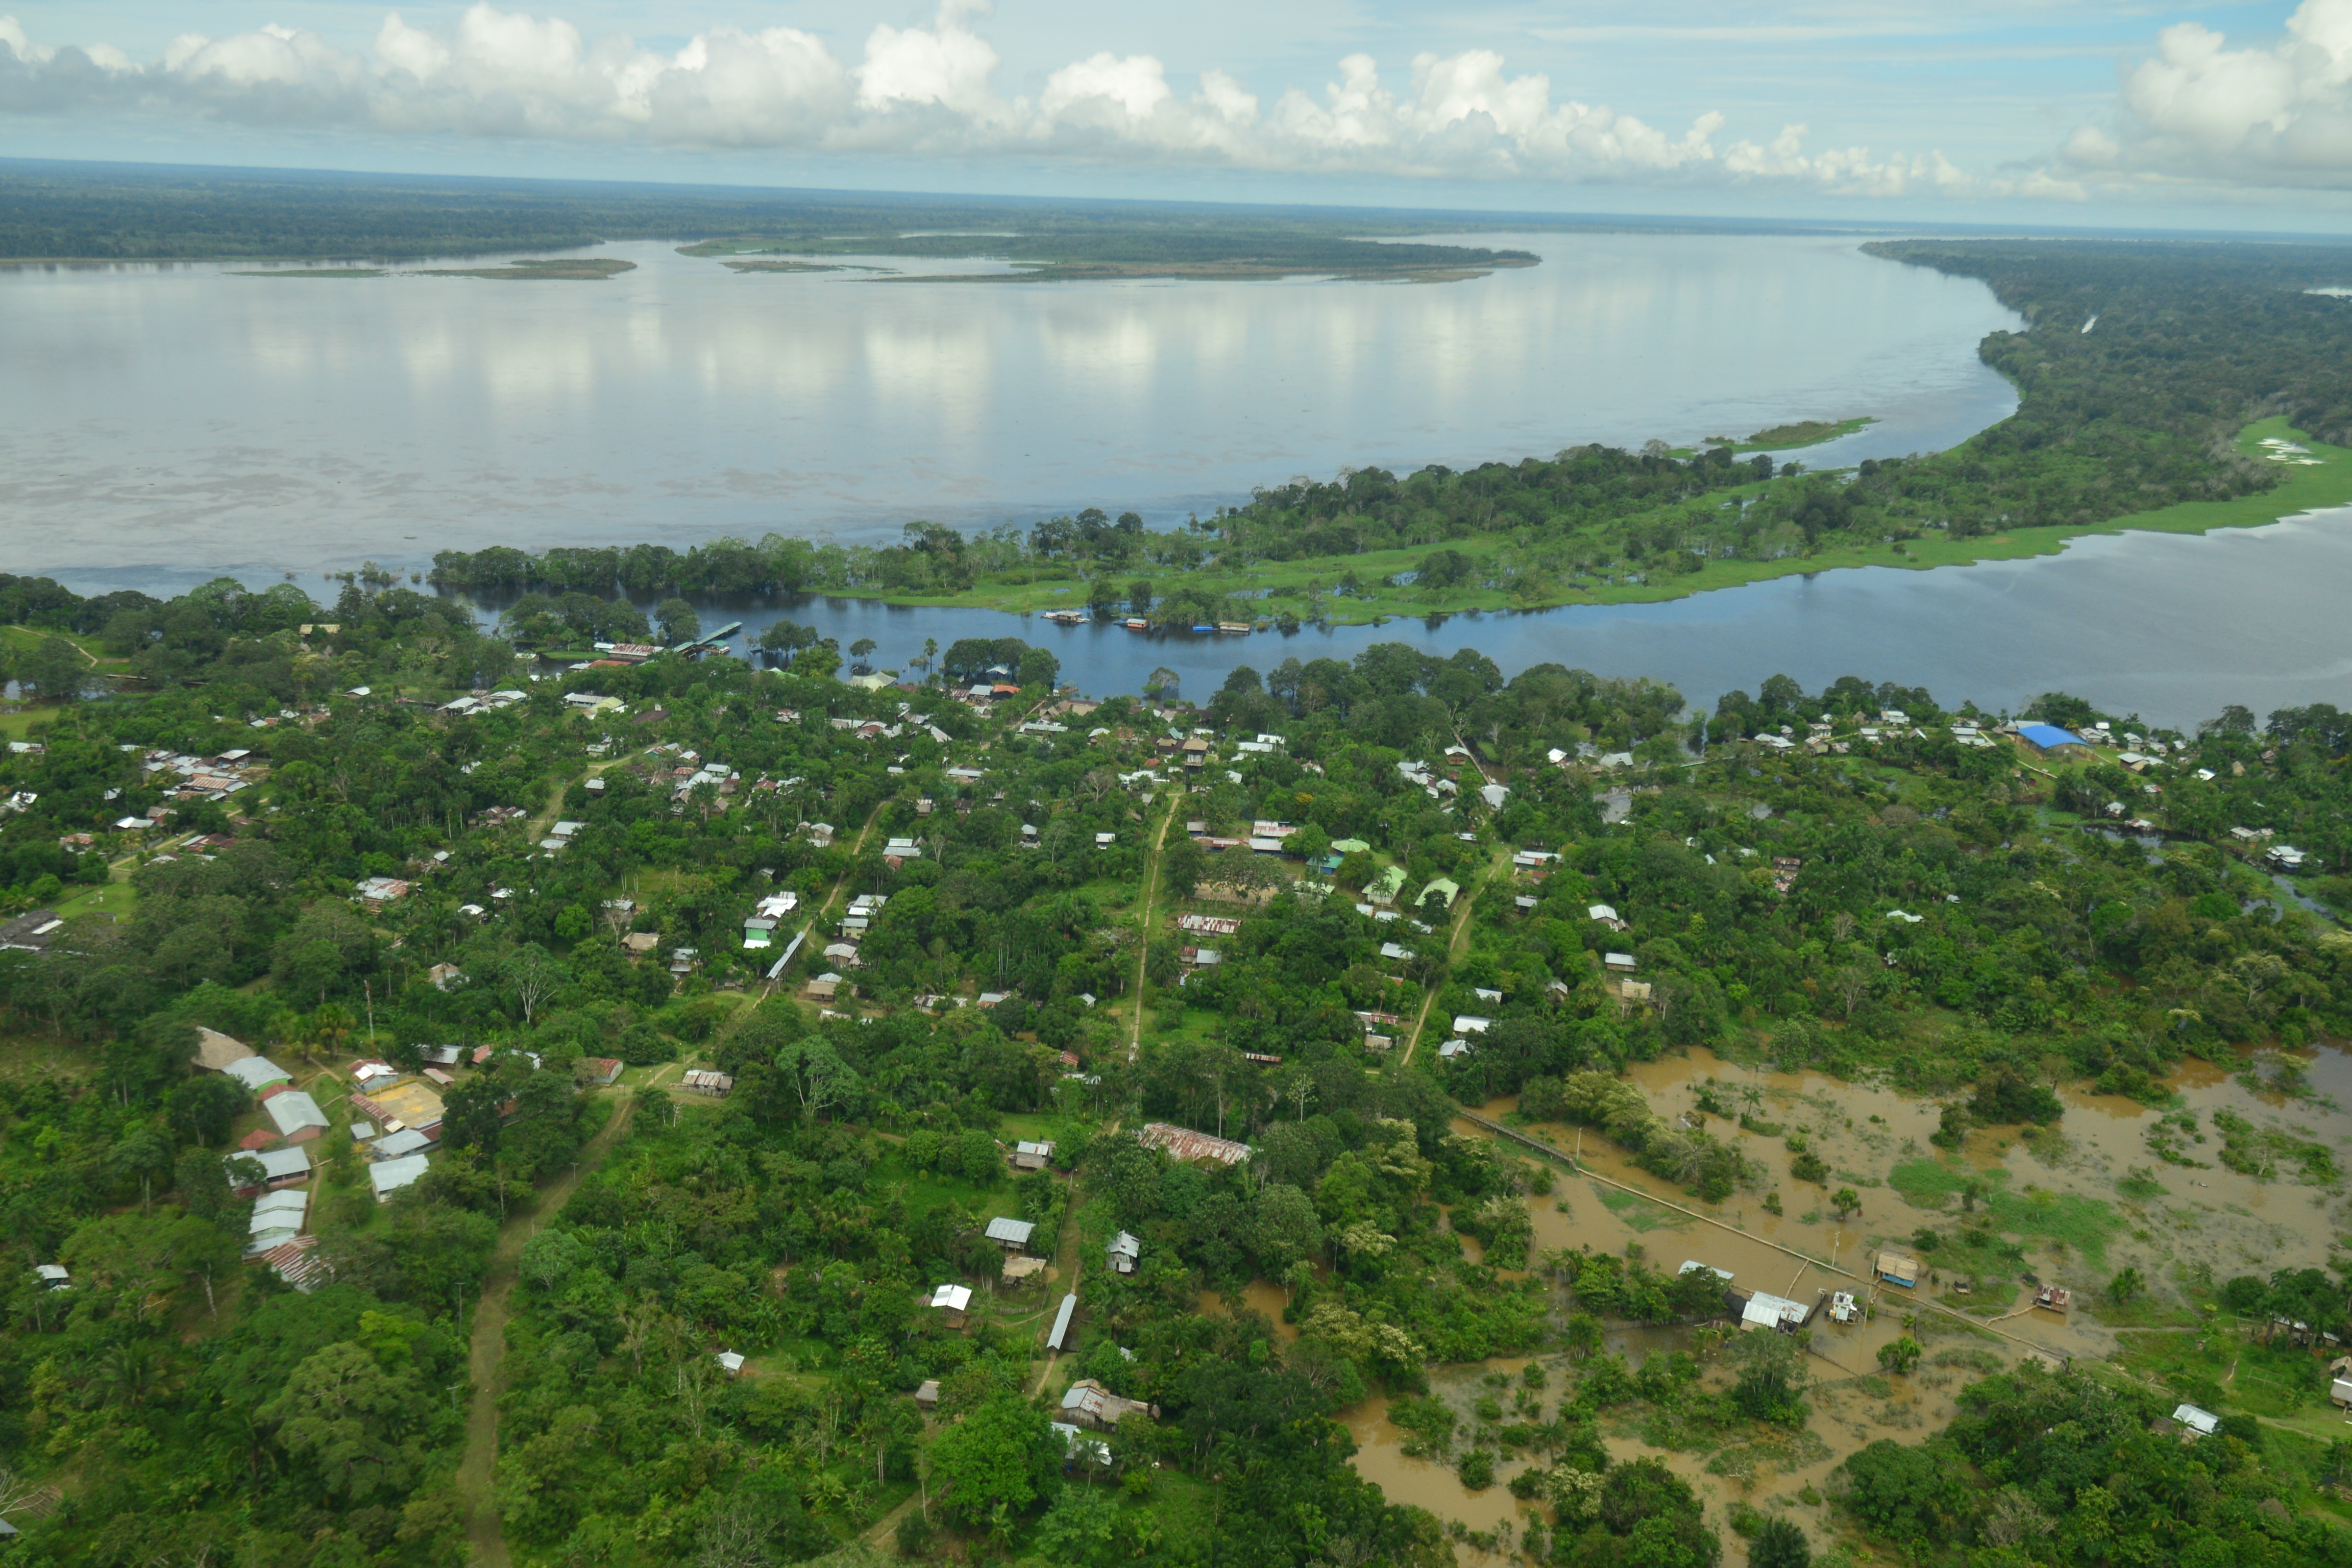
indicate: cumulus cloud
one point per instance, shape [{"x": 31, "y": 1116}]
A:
[
  {"x": 929, "y": 89},
  {"x": 2277, "y": 112}
]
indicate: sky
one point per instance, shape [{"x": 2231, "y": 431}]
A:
[{"x": 2076, "y": 114}]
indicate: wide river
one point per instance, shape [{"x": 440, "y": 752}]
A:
[
  {"x": 188, "y": 419},
  {"x": 163, "y": 425}
]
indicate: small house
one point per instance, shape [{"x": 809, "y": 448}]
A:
[
  {"x": 731, "y": 1362},
  {"x": 1765, "y": 1310},
  {"x": 389, "y": 1176},
  {"x": 53, "y": 1275},
  {"x": 1028, "y": 1156},
  {"x": 1844, "y": 1308},
  {"x": 702, "y": 1080},
  {"x": 1124, "y": 1253},
  {"x": 1894, "y": 1269},
  {"x": 1012, "y": 1235},
  {"x": 1470, "y": 1024},
  {"x": 926, "y": 1394},
  {"x": 2199, "y": 1422},
  {"x": 1618, "y": 963},
  {"x": 279, "y": 1167},
  {"x": 1089, "y": 1404},
  {"x": 293, "y": 1110},
  {"x": 598, "y": 1071},
  {"x": 2053, "y": 1297},
  {"x": 1184, "y": 1144},
  {"x": 257, "y": 1073}
]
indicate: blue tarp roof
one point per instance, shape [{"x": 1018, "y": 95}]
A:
[{"x": 2048, "y": 735}]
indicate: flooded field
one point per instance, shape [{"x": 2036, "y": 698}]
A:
[{"x": 2116, "y": 1185}]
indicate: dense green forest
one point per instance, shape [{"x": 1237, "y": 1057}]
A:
[
  {"x": 134, "y": 212},
  {"x": 2192, "y": 344},
  {"x": 349, "y": 836}
]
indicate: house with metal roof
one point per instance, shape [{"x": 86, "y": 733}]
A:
[
  {"x": 1009, "y": 1233},
  {"x": 1059, "y": 1340},
  {"x": 1124, "y": 1253},
  {"x": 278, "y": 1167},
  {"x": 389, "y": 1176},
  {"x": 257, "y": 1073},
  {"x": 293, "y": 1110}
]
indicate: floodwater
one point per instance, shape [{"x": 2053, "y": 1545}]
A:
[
  {"x": 184, "y": 421},
  {"x": 2208, "y": 1218}
]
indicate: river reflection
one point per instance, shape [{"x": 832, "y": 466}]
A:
[{"x": 188, "y": 421}]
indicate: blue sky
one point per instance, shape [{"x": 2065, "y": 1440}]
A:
[{"x": 2086, "y": 113}]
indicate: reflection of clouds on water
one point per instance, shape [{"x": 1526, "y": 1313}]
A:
[{"x": 655, "y": 405}]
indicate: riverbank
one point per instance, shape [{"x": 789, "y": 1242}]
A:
[{"x": 1356, "y": 590}]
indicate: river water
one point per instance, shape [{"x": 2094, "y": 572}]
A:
[
  {"x": 179, "y": 421},
  {"x": 165, "y": 425},
  {"x": 2173, "y": 628}
]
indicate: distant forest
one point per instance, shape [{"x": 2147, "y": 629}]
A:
[{"x": 123, "y": 211}]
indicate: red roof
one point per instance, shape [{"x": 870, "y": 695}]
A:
[
  {"x": 301, "y": 1135},
  {"x": 273, "y": 1091},
  {"x": 260, "y": 1138}
]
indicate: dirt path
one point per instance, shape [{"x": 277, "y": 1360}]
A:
[
  {"x": 1150, "y": 891},
  {"x": 487, "y": 1344},
  {"x": 1456, "y": 941},
  {"x": 818, "y": 912},
  {"x": 1066, "y": 1257}
]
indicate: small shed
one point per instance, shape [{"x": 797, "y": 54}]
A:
[
  {"x": 1896, "y": 1269},
  {"x": 926, "y": 1393},
  {"x": 53, "y": 1275},
  {"x": 2200, "y": 1422},
  {"x": 1009, "y": 1234},
  {"x": 731, "y": 1360}
]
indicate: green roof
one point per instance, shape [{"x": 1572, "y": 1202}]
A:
[
  {"x": 1446, "y": 886},
  {"x": 1350, "y": 846}
]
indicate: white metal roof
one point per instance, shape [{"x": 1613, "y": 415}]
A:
[
  {"x": 257, "y": 1072},
  {"x": 390, "y": 1175}
]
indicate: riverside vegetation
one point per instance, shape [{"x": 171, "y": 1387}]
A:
[
  {"x": 2153, "y": 418},
  {"x": 170, "y": 1405}
]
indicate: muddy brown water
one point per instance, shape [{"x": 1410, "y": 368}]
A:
[{"x": 2210, "y": 1218}]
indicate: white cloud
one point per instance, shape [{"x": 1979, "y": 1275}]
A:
[
  {"x": 926, "y": 89},
  {"x": 2271, "y": 113}
]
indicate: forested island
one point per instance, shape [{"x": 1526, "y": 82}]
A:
[
  {"x": 85, "y": 213},
  {"x": 459, "y": 1107}
]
